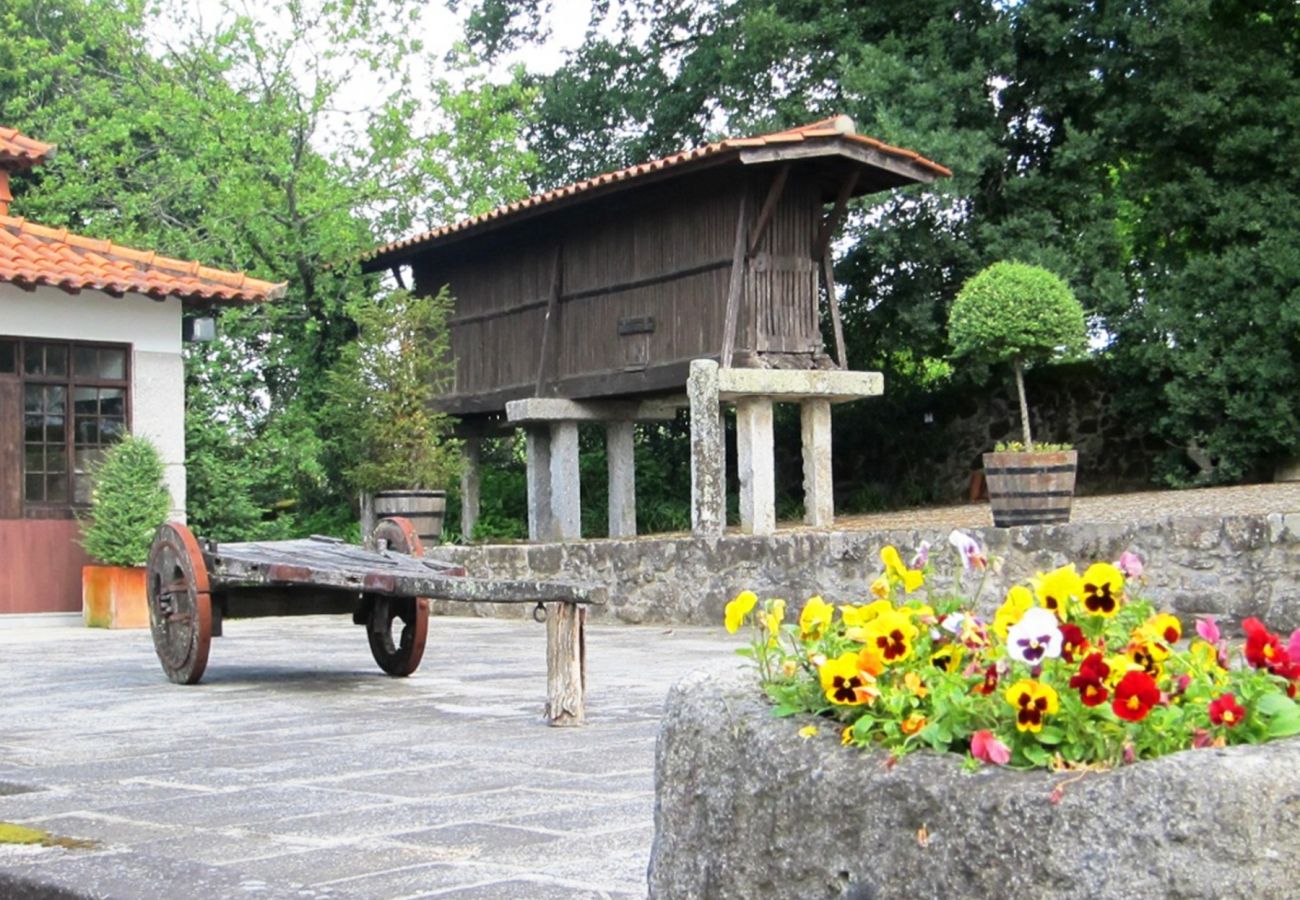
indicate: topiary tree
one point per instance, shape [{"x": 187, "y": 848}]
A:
[
  {"x": 1017, "y": 313},
  {"x": 128, "y": 502}
]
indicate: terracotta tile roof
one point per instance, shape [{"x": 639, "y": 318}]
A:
[
  {"x": 835, "y": 127},
  {"x": 18, "y": 151},
  {"x": 32, "y": 255}
]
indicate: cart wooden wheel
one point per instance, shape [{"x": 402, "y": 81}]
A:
[
  {"x": 180, "y": 605},
  {"x": 398, "y": 649}
]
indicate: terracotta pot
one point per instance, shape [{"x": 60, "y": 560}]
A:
[
  {"x": 114, "y": 597},
  {"x": 1030, "y": 488}
]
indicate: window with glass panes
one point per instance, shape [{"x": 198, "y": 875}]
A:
[{"x": 75, "y": 403}]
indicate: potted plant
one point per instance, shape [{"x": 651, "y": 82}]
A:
[
  {"x": 400, "y": 449},
  {"x": 129, "y": 500},
  {"x": 1021, "y": 314}
]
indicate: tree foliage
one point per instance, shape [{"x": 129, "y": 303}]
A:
[
  {"x": 210, "y": 134},
  {"x": 128, "y": 502},
  {"x": 1012, "y": 312},
  {"x": 1144, "y": 151}
]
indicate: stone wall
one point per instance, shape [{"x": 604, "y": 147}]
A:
[
  {"x": 1232, "y": 567},
  {"x": 746, "y": 808}
]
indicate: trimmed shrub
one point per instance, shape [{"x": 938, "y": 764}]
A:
[{"x": 129, "y": 500}]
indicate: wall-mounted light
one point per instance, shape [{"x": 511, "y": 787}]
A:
[{"x": 199, "y": 330}]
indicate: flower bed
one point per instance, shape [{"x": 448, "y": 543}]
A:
[
  {"x": 745, "y": 807},
  {"x": 1072, "y": 671}
]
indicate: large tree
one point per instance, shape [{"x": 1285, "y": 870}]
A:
[{"x": 234, "y": 143}]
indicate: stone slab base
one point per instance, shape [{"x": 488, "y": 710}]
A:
[
  {"x": 745, "y": 807},
  {"x": 114, "y": 597},
  {"x": 1231, "y": 567}
]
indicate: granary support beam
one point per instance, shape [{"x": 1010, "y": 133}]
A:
[
  {"x": 736, "y": 284},
  {"x": 471, "y": 481},
  {"x": 822, "y": 252},
  {"x": 551, "y": 324},
  {"x": 769, "y": 207}
]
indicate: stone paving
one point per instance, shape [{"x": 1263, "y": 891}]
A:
[{"x": 296, "y": 769}]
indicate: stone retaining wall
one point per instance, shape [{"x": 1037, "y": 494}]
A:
[
  {"x": 745, "y": 807},
  {"x": 1232, "y": 567}
]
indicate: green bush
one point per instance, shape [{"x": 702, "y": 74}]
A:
[
  {"x": 128, "y": 502},
  {"x": 1016, "y": 313},
  {"x": 382, "y": 392}
]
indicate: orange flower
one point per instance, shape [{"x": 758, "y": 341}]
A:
[{"x": 913, "y": 723}]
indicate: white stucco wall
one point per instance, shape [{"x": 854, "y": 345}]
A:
[{"x": 152, "y": 328}]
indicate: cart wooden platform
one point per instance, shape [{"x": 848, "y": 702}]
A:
[{"x": 194, "y": 586}]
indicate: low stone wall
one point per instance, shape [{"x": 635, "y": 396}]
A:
[
  {"x": 745, "y": 807},
  {"x": 1232, "y": 567}
]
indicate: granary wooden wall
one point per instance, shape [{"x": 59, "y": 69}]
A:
[{"x": 641, "y": 290}]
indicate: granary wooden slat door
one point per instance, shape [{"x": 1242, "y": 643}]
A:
[{"x": 781, "y": 278}]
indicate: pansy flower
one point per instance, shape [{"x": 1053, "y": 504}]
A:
[
  {"x": 736, "y": 611},
  {"x": 922, "y": 556},
  {"x": 910, "y": 579},
  {"x": 1149, "y": 656},
  {"x": 1263, "y": 648},
  {"x": 1034, "y": 638},
  {"x": 891, "y": 635},
  {"x": 844, "y": 683},
  {"x": 880, "y": 588},
  {"x": 1018, "y": 602},
  {"x": 990, "y": 683},
  {"x": 985, "y": 746},
  {"x": 912, "y": 724},
  {"x": 1090, "y": 680},
  {"x": 1103, "y": 589},
  {"x": 1135, "y": 694},
  {"x": 1073, "y": 643},
  {"x": 857, "y": 616},
  {"x": 1130, "y": 564},
  {"x": 948, "y": 657},
  {"x": 1055, "y": 589},
  {"x": 1163, "y": 627},
  {"x": 1224, "y": 710},
  {"x": 1033, "y": 701},
  {"x": 772, "y": 617},
  {"x": 972, "y": 557},
  {"x": 814, "y": 617}
]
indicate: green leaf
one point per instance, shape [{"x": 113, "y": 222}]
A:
[
  {"x": 1285, "y": 724},
  {"x": 783, "y": 711},
  {"x": 1050, "y": 735}
]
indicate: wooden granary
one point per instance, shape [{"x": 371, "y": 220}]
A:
[{"x": 608, "y": 290}]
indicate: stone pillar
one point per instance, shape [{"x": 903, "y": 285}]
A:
[
  {"x": 708, "y": 451},
  {"x": 540, "y": 520},
  {"x": 756, "y": 465},
  {"x": 818, "y": 493},
  {"x": 471, "y": 479},
  {"x": 620, "y": 444},
  {"x": 566, "y": 494}
]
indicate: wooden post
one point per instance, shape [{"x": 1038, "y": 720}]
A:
[
  {"x": 566, "y": 664},
  {"x": 769, "y": 207},
  {"x": 552, "y": 320},
  {"x": 822, "y": 252},
  {"x": 837, "y": 324},
  {"x": 735, "y": 286}
]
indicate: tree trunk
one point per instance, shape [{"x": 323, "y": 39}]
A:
[{"x": 1024, "y": 405}]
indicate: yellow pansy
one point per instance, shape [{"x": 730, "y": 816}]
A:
[
  {"x": 814, "y": 618},
  {"x": 844, "y": 683},
  {"x": 808, "y": 731},
  {"x": 880, "y": 588},
  {"x": 738, "y": 609},
  {"x": 1019, "y": 601},
  {"x": 857, "y": 616},
  {"x": 1103, "y": 589},
  {"x": 913, "y": 683},
  {"x": 891, "y": 636},
  {"x": 1055, "y": 589},
  {"x": 910, "y": 579},
  {"x": 773, "y": 617},
  {"x": 1033, "y": 702},
  {"x": 1164, "y": 628}
]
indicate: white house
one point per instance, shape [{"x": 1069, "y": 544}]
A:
[{"x": 90, "y": 349}]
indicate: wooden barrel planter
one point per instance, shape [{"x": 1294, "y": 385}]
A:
[
  {"x": 424, "y": 509},
  {"x": 1030, "y": 488}
]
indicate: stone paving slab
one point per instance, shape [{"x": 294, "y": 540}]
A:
[{"x": 298, "y": 770}]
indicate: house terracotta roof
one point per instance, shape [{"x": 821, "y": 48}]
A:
[
  {"x": 18, "y": 151},
  {"x": 833, "y": 128},
  {"x": 32, "y": 255}
]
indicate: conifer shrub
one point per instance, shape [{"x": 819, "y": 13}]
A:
[{"x": 129, "y": 500}]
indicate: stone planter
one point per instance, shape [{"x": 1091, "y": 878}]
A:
[
  {"x": 425, "y": 509},
  {"x": 114, "y": 597},
  {"x": 1030, "y": 488},
  {"x": 745, "y": 807}
]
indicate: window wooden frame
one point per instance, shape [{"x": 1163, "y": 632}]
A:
[{"x": 14, "y": 434}]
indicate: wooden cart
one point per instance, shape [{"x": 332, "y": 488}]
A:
[{"x": 194, "y": 586}]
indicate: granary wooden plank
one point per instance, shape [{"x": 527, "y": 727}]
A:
[{"x": 736, "y": 286}]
